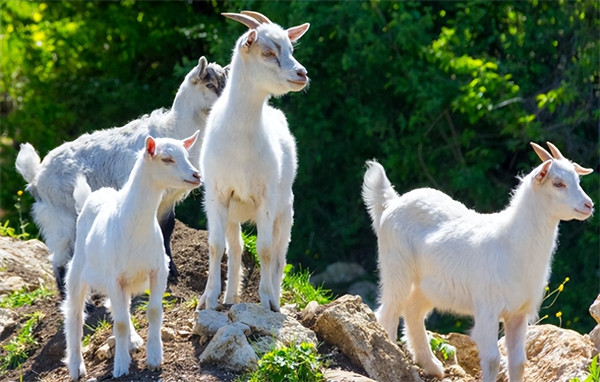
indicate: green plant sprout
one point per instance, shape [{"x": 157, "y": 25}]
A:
[
  {"x": 298, "y": 290},
  {"x": 19, "y": 348},
  {"x": 23, "y": 297}
]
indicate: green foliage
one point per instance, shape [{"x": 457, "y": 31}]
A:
[
  {"x": 23, "y": 297},
  {"x": 298, "y": 290},
  {"x": 444, "y": 94},
  {"x": 594, "y": 372},
  {"x": 19, "y": 348},
  {"x": 250, "y": 246},
  {"x": 295, "y": 363},
  {"x": 442, "y": 347}
]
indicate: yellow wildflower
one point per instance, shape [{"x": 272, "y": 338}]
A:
[{"x": 19, "y": 193}]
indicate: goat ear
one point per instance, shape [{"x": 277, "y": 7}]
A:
[
  {"x": 582, "y": 170},
  {"x": 150, "y": 146},
  {"x": 294, "y": 33},
  {"x": 251, "y": 38},
  {"x": 542, "y": 174},
  {"x": 198, "y": 71},
  {"x": 189, "y": 142}
]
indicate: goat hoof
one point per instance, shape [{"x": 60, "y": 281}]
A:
[{"x": 154, "y": 367}]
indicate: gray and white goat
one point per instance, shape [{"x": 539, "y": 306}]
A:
[{"x": 105, "y": 158}]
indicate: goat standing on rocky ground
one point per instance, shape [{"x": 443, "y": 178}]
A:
[
  {"x": 248, "y": 159},
  {"x": 105, "y": 158},
  {"x": 119, "y": 250},
  {"x": 436, "y": 253}
]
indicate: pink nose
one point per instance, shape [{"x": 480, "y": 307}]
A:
[{"x": 589, "y": 205}]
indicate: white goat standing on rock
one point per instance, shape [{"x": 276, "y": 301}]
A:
[
  {"x": 119, "y": 250},
  {"x": 248, "y": 160},
  {"x": 105, "y": 158},
  {"x": 436, "y": 253}
]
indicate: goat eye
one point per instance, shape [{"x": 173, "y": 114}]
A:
[
  {"x": 168, "y": 160},
  {"x": 210, "y": 86},
  {"x": 268, "y": 53},
  {"x": 559, "y": 185}
]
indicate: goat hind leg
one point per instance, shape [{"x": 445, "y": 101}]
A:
[
  {"x": 154, "y": 314},
  {"x": 414, "y": 321},
  {"x": 167, "y": 226},
  {"x": 268, "y": 264},
  {"x": 485, "y": 335}
]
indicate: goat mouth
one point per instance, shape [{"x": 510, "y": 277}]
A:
[
  {"x": 585, "y": 213},
  {"x": 300, "y": 83},
  {"x": 196, "y": 183}
]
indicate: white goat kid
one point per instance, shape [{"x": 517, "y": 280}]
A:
[
  {"x": 248, "y": 159},
  {"x": 119, "y": 250},
  {"x": 436, "y": 253},
  {"x": 106, "y": 158}
]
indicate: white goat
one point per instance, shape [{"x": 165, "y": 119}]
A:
[
  {"x": 105, "y": 158},
  {"x": 436, "y": 253},
  {"x": 119, "y": 250},
  {"x": 248, "y": 159}
]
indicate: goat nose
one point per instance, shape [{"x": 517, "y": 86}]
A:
[
  {"x": 589, "y": 204},
  {"x": 196, "y": 175},
  {"x": 302, "y": 73}
]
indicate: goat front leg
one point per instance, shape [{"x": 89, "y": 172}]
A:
[
  {"x": 485, "y": 335},
  {"x": 516, "y": 331},
  {"x": 119, "y": 299},
  {"x": 154, "y": 314},
  {"x": 282, "y": 231},
  {"x": 235, "y": 246},
  {"x": 268, "y": 262},
  {"x": 217, "y": 217}
]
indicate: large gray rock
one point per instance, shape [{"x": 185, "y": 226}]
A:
[
  {"x": 208, "y": 322},
  {"x": 554, "y": 354},
  {"x": 230, "y": 349},
  {"x": 350, "y": 325}
]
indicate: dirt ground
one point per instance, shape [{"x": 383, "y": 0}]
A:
[{"x": 180, "y": 355}]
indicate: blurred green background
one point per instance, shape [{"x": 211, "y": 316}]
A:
[{"x": 443, "y": 94}]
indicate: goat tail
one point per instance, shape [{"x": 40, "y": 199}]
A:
[
  {"x": 377, "y": 191},
  {"x": 28, "y": 162},
  {"x": 81, "y": 191}
]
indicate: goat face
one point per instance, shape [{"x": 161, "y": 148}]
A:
[
  {"x": 170, "y": 158},
  {"x": 268, "y": 53},
  {"x": 560, "y": 182},
  {"x": 206, "y": 80}
]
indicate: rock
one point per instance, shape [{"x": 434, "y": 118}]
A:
[
  {"x": 208, "y": 322},
  {"x": 309, "y": 311},
  {"x": 595, "y": 338},
  {"x": 467, "y": 354},
  {"x": 13, "y": 283},
  {"x": 230, "y": 349},
  {"x": 26, "y": 259},
  {"x": 104, "y": 352},
  {"x": 554, "y": 354},
  {"x": 339, "y": 273},
  {"x": 336, "y": 375},
  {"x": 595, "y": 309},
  {"x": 8, "y": 322},
  {"x": 167, "y": 334},
  {"x": 350, "y": 325},
  {"x": 260, "y": 320}
]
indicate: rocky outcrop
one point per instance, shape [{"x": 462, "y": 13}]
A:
[
  {"x": 554, "y": 354},
  {"x": 595, "y": 333},
  {"x": 350, "y": 325}
]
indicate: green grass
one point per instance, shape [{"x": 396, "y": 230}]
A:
[
  {"x": 293, "y": 363},
  {"x": 101, "y": 327},
  {"x": 442, "y": 347},
  {"x": 298, "y": 290},
  {"x": 19, "y": 348},
  {"x": 250, "y": 245},
  {"x": 168, "y": 301},
  {"x": 23, "y": 297}
]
